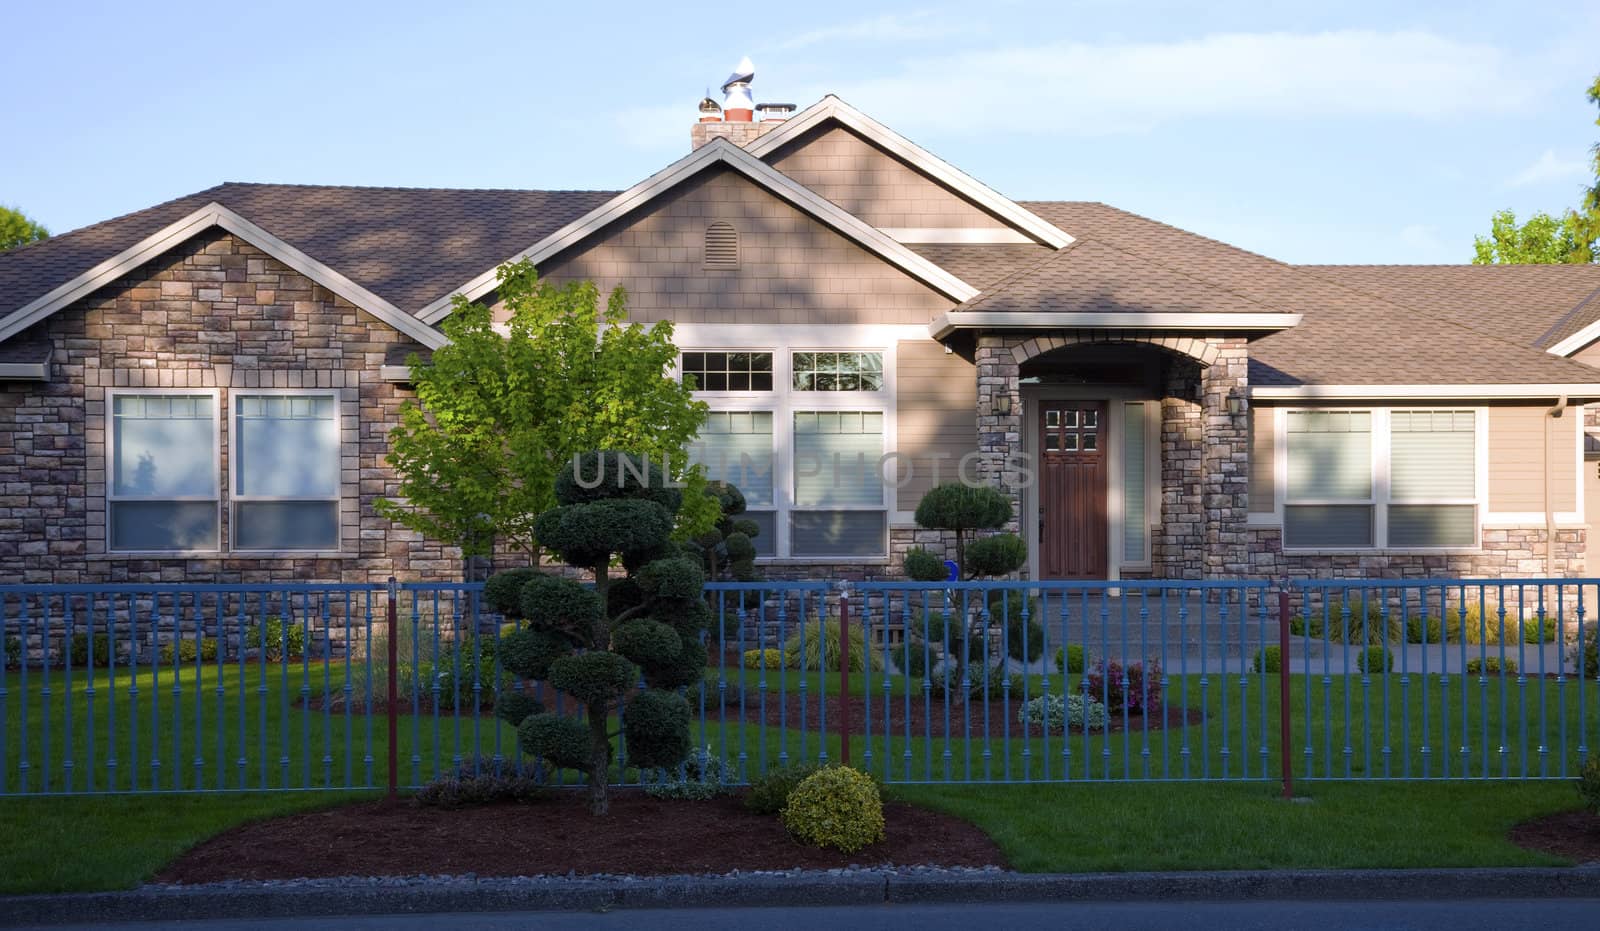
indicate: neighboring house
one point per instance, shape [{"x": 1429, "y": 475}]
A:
[{"x": 202, "y": 391}]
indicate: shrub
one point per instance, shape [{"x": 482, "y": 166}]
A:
[
  {"x": 1024, "y": 643},
  {"x": 924, "y": 566},
  {"x": 836, "y": 807},
  {"x": 1070, "y": 659},
  {"x": 996, "y": 555},
  {"x": 13, "y": 651},
  {"x": 514, "y": 707},
  {"x": 727, "y": 550},
  {"x": 484, "y": 781},
  {"x": 281, "y": 641},
  {"x": 1104, "y": 680},
  {"x": 1269, "y": 660},
  {"x": 804, "y": 649},
  {"x": 80, "y": 650},
  {"x": 1049, "y": 711},
  {"x": 1589, "y": 783},
  {"x": 979, "y": 685},
  {"x": 1375, "y": 659},
  {"x": 914, "y": 655},
  {"x": 655, "y": 724},
  {"x": 186, "y": 652},
  {"x": 461, "y": 665},
  {"x": 769, "y": 794},
  {"x": 1471, "y": 622},
  {"x": 763, "y": 659},
  {"x": 1584, "y": 653},
  {"x": 702, "y": 775},
  {"x": 1478, "y": 666}
]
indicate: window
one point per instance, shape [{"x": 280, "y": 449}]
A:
[
  {"x": 1433, "y": 478},
  {"x": 838, "y": 371},
  {"x": 736, "y": 447},
  {"x": 1135, "y": 488},
  {"x": 722, "y": 246},
  {"x": 1418, "y": 488},
  {"x": 838, "y": 457},
  {"x": 286, "y": 462},
  {"x": 728, "y": 371},
  {"x": 162, "y": 494},
  {"x": 803, "y": 435}
]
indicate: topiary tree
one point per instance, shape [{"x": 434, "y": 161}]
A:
[
  {"x": 727, "y": 548},
  {"x": 595, "y": 643},
  {"x": 963, "y": 508}
]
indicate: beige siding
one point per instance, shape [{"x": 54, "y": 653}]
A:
[
  {"x": 1589, "y": 355},
  {"x": 1516, "y": 464},
  {"x": 874, "y": 185},
  {"x": 1263, "y": 487},
  {"x": 936, "y": 404},
  {"x": 792, "y": 269}
]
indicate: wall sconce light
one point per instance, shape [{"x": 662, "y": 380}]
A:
[
  {"x": 1234, "y": 405},
  {"x": 1002, "y": 404}
]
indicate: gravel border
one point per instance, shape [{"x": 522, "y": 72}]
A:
[{"x": 797, "y": 888}]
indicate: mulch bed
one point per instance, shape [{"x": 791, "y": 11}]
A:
[
  {"x": 557, "y": 836},
  {"x": 1574, "y": 835}
]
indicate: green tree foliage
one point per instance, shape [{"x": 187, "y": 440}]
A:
[
  {"x": 1571, "y": 239},
  {"x": 594, "y": 644},
  {"x": 728, "y": 548},
  {"x": 499, "y": 415},
  {"x": 17, "y": 230}
]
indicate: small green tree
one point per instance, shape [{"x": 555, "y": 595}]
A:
[
  {"x": 727, "y": 549},
  {"x": 499, "y": 415},
  {"x": 16, "y": 229},
  {"x": 594, "y": 643},
  {"x": 963, "y": 509},
  {"x": 1542, "y": 240}
]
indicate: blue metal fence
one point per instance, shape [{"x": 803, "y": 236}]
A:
[{"x": 219, "y": 688}]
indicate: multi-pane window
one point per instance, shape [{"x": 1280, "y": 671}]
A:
[
  {"x": 736, "y": 447},
  {"x": 838, "y": 371},
  {"x": 805, "y": 442},
  {"x": 162, "y": 494},
  {"x": 728, "y": 371},
  {"x": 1417, "y": 489},
  {"x": 286, "y": 472}
]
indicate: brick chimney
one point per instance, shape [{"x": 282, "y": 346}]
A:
[{"x": 734, "y": 119}]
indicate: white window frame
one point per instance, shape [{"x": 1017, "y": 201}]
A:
[
  {"x": 1381, "y": 497},
  {"x": 235, "y": 462},
  {"x": 111, "y": 396},
  {"x": 783, "y": 401}
]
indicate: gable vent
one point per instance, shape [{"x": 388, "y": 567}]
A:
[{"x": 722, "y": 246}]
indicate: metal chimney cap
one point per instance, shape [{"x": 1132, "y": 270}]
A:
[
  {"x": 707, "y": 105},
  {"x": 743, "y": 73}
]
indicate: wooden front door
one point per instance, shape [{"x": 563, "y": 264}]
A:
[{"x": 1072, "y": 489}]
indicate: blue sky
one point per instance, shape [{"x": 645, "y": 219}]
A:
[{"x": 1376, "y": 132}]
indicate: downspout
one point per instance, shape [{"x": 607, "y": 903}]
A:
[{"x": 1549, "y": 498}]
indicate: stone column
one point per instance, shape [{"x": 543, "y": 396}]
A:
[
  {"x": 1225, "y": 468},
  {"x": 1179, "y": 544},
  {"x": 1000, "y": 420}
]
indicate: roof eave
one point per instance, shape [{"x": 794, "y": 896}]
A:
[
  {"x": 1539, "y": 391},
  {"x": 950, "y": 322}
]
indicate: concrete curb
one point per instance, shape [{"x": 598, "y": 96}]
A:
[{"x": 798, "y": 889}]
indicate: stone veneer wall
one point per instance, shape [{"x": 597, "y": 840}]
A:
[
  {"x": 1505, "y": 552},
  {"x": 213, "y": 313}
]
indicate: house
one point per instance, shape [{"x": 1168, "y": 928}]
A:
[{"x": 202, "y": 390}]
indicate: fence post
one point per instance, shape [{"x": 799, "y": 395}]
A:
[
  {"x": 1283, "y": 694},
  {"x": 393, "y": 703},
  {"x": 844, "y": 673}
]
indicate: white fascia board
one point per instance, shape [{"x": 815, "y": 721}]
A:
[
  {"x": 1576, "y": 341},
  {"x": 718, "y": 151},
  {"x": 1418, "y": 392},
  {"x": 214, "y": 214},
  {"x": 24, "y": 371},
  {"x": 951, "y": 321},
  {"x": 957, "y": 236},
  {"x": 831, "y": 107}
]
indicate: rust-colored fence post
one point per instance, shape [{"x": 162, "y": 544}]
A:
[
  {"x": 1283, "y": 694},
  {"x": 392, "y": 705},
  {"x": 844, "y": 674}
]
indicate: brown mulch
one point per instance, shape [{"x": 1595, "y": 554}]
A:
[
  {"x": 1574, "y": 835},
  {"x": 558, "y": 836}
]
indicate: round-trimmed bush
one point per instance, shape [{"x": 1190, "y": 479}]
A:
[
  {"x": 1478, "y": 666},
  {"x": 597, "y": 676},
  {"x": 763, "y": 659},
  {"x": 514, "y": 707},
  {"x": 923, "y": 566},
  {"x": 677, "y": 579},
  {"x": 561, "y": 604},
  {"x": 502, "y": 593},
  {"x": 655, "y": 724},
  {"x": 589, "y": 534},
  {"x": 560, "y": 740},
  {"x": 1268, "y": 659},
  {"x": 1070, "y": 659},
  {"x": 835, "y": 807},
  {"x": 954, "y": 505},
  {"x": 1376, "y": 659},
  {"x": 997, "y": 555},
  {"x": 527, "y": 654},
  {"x": 645, "y": 641},
  {"x": 686, "y": 667},
  {"x": 1024, "y": 642},
  {"x": 769, "y": 794},
  {"x": 603, "y": 474}
]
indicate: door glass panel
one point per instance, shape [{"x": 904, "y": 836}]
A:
[
  {"x": 1052, "y": 418},
  {"x": 1069, "y": 442},
  {"x": 1069, "y": 418},
  {"x": 1091, "y": 418},
  {"x": 1089, "y": 441},
  {"x": 1052, "y": 441}
]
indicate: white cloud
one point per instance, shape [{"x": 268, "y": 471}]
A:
[
  {"x": 1079, "y": 88},
  {"x": 1551, "y": 167},
  {"x": 912, "y": 27}
]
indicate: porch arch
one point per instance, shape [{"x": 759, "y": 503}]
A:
[{"x": 1201, "y": 351}]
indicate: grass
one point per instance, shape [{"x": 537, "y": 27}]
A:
[{"x": 1229, "y": 827}]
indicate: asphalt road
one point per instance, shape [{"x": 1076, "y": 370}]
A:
[{"x": 1461, "y": 915}]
